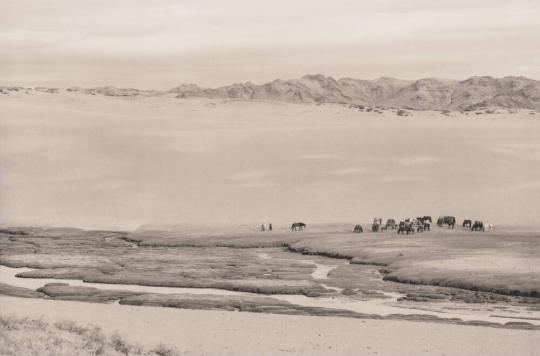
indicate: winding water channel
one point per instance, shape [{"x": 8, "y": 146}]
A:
[{"x": 379, "y": 306}]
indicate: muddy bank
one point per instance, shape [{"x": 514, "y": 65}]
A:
[
  {"x": 270, "y": 305},
  {"x": 215, "y": 299},
  {"x": 463, "y": 283},
  {"x": 239, "y": 239},
  {"x": 242, "y": 304},
  {"x": 454, "y": 259},
  {"x": 6, "y": 289},
  {"x": 312, "y": 270},
  {"x": 266, "y": 287},
  {"x": 64, "y": 292}
]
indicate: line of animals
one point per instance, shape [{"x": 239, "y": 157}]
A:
[
  {"x": 410, "y": 225},
  {"x": 407, "y": 226}
]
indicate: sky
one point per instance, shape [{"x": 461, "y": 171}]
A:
[{"x": 163, "y": 43}]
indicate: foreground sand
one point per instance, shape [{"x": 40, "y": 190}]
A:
[{"x": 218, "y": 333}]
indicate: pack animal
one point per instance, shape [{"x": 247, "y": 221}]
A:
[
  {"x": 478, "y": 226},
  {"x": 298, "y": 226}
]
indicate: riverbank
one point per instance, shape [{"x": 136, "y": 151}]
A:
[
  {"x": 218, "y": 332},
  {"x": 314, "y": 273}
]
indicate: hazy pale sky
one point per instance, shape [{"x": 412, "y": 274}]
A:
[{"x": 162, "y": 43}]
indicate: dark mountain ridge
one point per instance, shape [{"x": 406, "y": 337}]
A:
[{"x": 424, "y": 94}]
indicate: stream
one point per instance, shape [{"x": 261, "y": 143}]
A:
[{"x": 379, "y": 306}]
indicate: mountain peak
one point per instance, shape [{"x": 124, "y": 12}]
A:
[{"x": 318, "y": 77}]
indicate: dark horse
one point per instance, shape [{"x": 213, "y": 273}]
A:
[
  {"x": 405, "y": 227},
  {"x": 446, "y": 220},
  {"x": 358, "y": 228},
  {"x": 478, "y": 226},
  {"x": 391, "y": 224},
  {"x": 298, "y": 226},
  {"x": 467, "y": 223}
]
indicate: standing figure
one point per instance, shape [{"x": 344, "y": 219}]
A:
[
  {"x": 270, "y": 227},
  {"x": 262, "y": 227}
]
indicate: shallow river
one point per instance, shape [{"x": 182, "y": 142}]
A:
[{"x": 379, "y": 306}]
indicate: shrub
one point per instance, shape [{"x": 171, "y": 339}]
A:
[
  {"x": 119, "y": 344},
  {"x": 95, "y": 341},
  {"x": 70, "y": 326},
  {"x": 164, "y": 350}
]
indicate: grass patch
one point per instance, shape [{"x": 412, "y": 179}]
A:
[{"x": 24, "y": 336}]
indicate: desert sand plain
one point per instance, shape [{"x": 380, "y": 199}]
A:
[
  {"x": 160, "y": 181},
  {"x": 142, "y": 160}
]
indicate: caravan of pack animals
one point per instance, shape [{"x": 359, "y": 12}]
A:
[{"x": 410, "y": 225}]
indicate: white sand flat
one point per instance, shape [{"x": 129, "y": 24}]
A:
[{"x": 222, "y": 333}]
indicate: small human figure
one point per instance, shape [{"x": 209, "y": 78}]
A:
[
  {"x": 270, "y": 227},
  {"x": 262, "y": 227}
]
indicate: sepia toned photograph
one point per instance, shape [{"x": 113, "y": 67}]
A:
[{"x": 203, "y": 177}]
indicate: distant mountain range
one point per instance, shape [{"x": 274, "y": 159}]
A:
[{"x": 423, "y": 94}]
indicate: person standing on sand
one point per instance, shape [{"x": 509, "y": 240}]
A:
[
  {"x": 262, "y": 227},
  {"x": 270, "y": 227}
]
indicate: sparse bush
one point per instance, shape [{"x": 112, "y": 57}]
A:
[
  {"x": 119, "y": 344},
  {"x": 70, "y": 326},
  {"x": 164, "y": 350},
  {"x": 402, "y": 113},
  {"x": 24, "y": 336},
  {"x": 9, "y": 323},
  {"x": 95, "y": 341}
]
